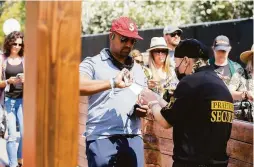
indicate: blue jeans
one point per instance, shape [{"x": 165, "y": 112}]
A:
[
  {"x": 14, "y": 108},
  {"x": 115, "y": 151}
]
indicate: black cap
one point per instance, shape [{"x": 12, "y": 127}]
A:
[
  {"x": 221, "y": 42},
  {"x": 191, "y": 48}
]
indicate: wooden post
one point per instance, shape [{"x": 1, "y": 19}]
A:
[{"x": 52, "y": 57}]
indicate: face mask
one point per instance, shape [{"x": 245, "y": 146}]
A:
[{"x": 178, "y": 74}]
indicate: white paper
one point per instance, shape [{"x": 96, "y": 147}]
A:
[{"x": 135, "y": 88}]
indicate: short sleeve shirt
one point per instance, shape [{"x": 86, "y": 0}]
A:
[{"x": 110, "y": 115}]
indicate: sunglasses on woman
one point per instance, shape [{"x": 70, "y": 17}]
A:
[
  {"x": 17, "y": 44},
  {"x": 160, "y": 51}
]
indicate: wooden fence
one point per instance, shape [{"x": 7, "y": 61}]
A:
[{"x": 158, "y": 142}]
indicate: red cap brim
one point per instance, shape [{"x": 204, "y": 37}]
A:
[{"x": 130, "y": 35}]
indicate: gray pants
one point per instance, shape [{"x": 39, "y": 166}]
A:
[{"x": 116, "y": 151}]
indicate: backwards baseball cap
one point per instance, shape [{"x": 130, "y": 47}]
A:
[
  {"x": 221, "y": 42},
  {"x": 126, "y": 27},
  {"x": 170, "y": 29},
  {"x": 191, "y": 48}
]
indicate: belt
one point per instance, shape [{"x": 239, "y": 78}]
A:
[{"x": 177, "y": 164}]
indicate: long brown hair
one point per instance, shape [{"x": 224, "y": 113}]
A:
[{"x": 10, "y": 40}]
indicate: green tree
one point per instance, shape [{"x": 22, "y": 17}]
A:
[
  {"x": 97, "y": 15},
  {"x": 10, "y": 9},
  {"x": 214, "y": 10}
]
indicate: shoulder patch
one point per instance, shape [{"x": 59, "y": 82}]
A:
[{"x": 171, "y": 102}]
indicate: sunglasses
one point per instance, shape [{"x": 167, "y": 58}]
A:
[
  {"x": 160, "y": 51},
  {"x": 124, "y": 39},
  {"x": 175, "y": 33},
  {"x": 139, "y": 62},
  {"x": 17, "y": 44}
]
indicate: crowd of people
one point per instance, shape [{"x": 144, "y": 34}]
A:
[{"x": 178, "y": 83}]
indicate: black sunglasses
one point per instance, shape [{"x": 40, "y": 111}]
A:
[
  {"x": 160, "y": 51},
  {"x": 126, "y": 39},
  {"x": 175, "y": 33},
  {"x": 139, "y": 62},
  {"x": 17, "y": 44}
]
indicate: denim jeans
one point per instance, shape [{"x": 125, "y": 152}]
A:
[{"x": 14, "y": 108}]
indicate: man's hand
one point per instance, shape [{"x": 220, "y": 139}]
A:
[
  {"x": 123, "y": 79},
  {"x": 146, "y": 96},
  {"x": 141, "y": 110},
  {"x": 152, "y": 84}
]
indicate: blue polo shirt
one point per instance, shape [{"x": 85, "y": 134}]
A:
[{"x": 110, "y": 115}]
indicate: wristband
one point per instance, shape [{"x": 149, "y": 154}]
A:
[
  {"x": 6, "y": 82},
  {"x": 112, "y": 85}
]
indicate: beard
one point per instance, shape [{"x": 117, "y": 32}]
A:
[{"x": 125, "y": 52}]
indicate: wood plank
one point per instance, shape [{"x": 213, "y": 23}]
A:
[
  {"x": 51, "y": 89},
  {"x": 149, "y": 126},
  {"x": 237, "y": 163},
  {"x": 243, "y": 131},
  {"x": 154, "y": 157},
  {"x": 165, "y": 146},
  {"x": 240, "y": 150}
]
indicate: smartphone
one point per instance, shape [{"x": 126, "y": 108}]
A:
[{"x": 20, "y": 75}]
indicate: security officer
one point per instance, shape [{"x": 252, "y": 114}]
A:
[{"x": 201, "y": 111}]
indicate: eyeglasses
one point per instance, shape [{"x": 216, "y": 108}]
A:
[
  {"x": 17, "y": 44},
  {"x": 175, "y": 33},
  {"x": 139, "y": 62},
  {"x": 160, "y": 51},
  {"x": 126, "y": 39}
]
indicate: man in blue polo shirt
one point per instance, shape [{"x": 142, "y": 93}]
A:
[{"x": 113, "y": 134}]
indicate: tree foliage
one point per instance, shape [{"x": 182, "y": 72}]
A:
[
  {"x": 11, "y": 9},
  {"x": 215, "y": 10},
  {"x": 97, "y": 15}
]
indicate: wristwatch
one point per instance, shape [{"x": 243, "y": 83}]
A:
[{"x": 112, "y": 83}]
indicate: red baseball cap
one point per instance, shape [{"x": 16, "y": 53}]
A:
[{"x": 126, "y": 27}]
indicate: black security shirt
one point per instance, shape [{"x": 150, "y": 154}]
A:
[{"x": 201, "y": 116}]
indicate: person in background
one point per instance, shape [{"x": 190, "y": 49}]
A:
[
  {"x": 201, "y": 112},
  {"x": 224, "y": 67},
  {"x": 241, "y": 83},
  {"x": 113, "y": 127},
  {"x": 163, "y": 77},
  {"x": 172, "y": 36},
  {"x": 12, "y": 75},
  {"x": 137, "y": 56}
]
